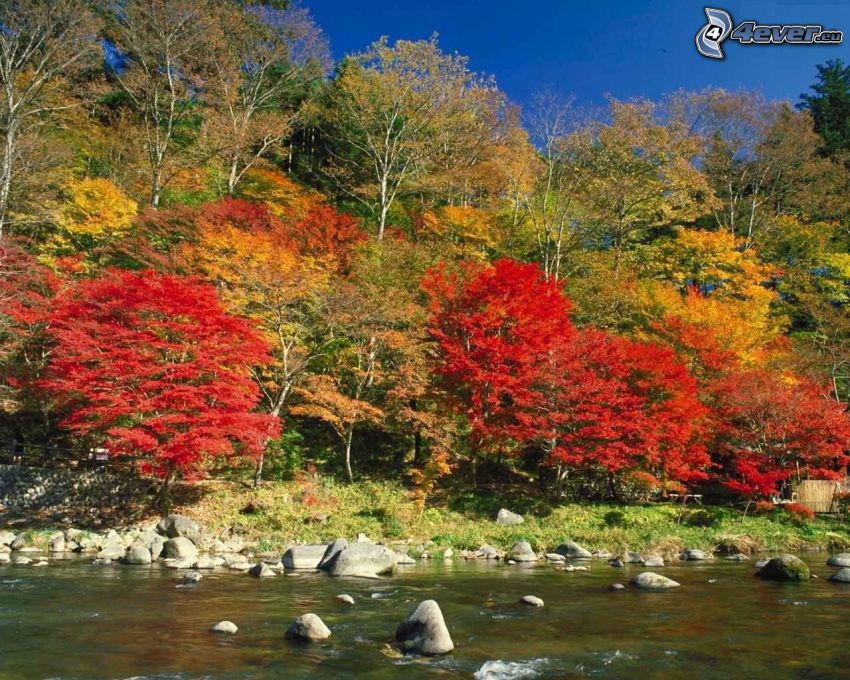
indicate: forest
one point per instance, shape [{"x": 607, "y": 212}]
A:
[{"x": 222, "y": 254}]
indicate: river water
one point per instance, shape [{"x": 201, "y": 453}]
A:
[{"x": 76, "y": 620}]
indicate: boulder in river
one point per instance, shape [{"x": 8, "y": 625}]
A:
[
  {"x": 57, "y": 543},
  {"x": 308, "y": 628},
  {"x": 424, "y": 631},
  {"x": 331, "y": 551},
  {"x": 137, "y": 553},
  {"x": 404, "y": 558},
  {"x": 841, "y": 576},
  {"x": 156, "y": 547},
  {"x": 555, "y": 557},
  {"x": 486, "y": 552},
  {"x": 180, "y": 548},
  {"x": 507, "y": 518},
  {"x": 304, "y": 556},
  {"x": 112, "y": 549},
  {"x": 176, "y": 526},
  {"x": 531, "y": 601},
  {"x": 616, "y": 587},
  {"x": 345, "y": 598},
  {"x": 362, "y": 559},
  {"x": 227, "y": 627},
  {"x": 839, "y": 560},
  {"x": 696, "y": 555},
  {"x": 521, "y": 551},
  {"x": 6, "y": 537},
  {"x": 191, "y": 578},
  {"x": 616, "y": 563},
  {"x": 649, "y": 580},
  {"x": 784, "y": 568},
  {"x": 573, "y": 550},
  {"x": 737, "y": 557},
  {"x": 654, "y": 561},
  {"x": 18, "y": 542},
  {"x": 261, "y": 570}
]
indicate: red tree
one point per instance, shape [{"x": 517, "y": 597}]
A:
[
  {"x": 624, "y": 406},
  {"x": 324, "y": 231},
  {"x": 151, "y": 367},
  {"x": 772, "y": 427},
  {"x": 498, "y": 329}
]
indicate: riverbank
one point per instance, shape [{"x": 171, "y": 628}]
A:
[
  {"x": 313, "y": 510},
  {"x": 281, "y": 513}
]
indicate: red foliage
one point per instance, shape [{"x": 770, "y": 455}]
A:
[
  {"x": 324, "y": 231},
  {"x": 622, "y": 405},
  {"x": 770, "y": 428},
  {"x": 765, "y": 507},
  {"x": 799, "y": 512},
  {"x": 151, "y": 367},
  {"x": 497, "y": 328}
]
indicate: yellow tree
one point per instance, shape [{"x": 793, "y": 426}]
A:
[
  {"x": 246, "y": 253},
  {"x": 643, "y": 175}
]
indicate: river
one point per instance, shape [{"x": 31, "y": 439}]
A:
[{"x": 76, "y": 620}]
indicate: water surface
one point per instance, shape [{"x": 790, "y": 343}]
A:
[{"x": 76, "y": 620}]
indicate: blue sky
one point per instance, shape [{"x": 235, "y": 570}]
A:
[{"x": 589, "y": 49}]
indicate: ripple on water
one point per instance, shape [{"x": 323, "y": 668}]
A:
[{"x": 508, "y": 670}]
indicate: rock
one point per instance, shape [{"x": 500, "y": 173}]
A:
[
  {"x": 18, "y": 542},
  {"x": 206, "y": 562},
  {"x": 616, "y": 586},
  {"x": 344, "y": 598},
  {"x": 112, "y": 550},
  {"x": 424, "y": 631},
  {"x": 227, "y": 627},
  {"x": 522, "y": 552},
  {"x": 156, "y": 547},
  {"x": 632, "y": 558},
  {"x": 784, "y": 568},
  {"x": 573, "y": 550},
  {"x": 649, "y": 580},
  {"x": 183, "y": 563},
  {"x": 308, "y": 628},
  {"x": 72, "y": 546},
  {"x": 841, "y": 576},
  {"x": 57, "y": 543},
  {"x": 760, "y": 563},
  {"x": 180, "y": 548},
  {"x": 41, "y": 563},
  {"x": 261, "y": 570},
  {"x": 696, "y": 555},
  {"x": 6, "y": 537},
  {"x": 654, "y": 561},
  {"x": 404, "y": 558},
  {"x": 191, "y": 578},
  {"x": 531, "y": 601},
  {"x": 304, "y": 556},
  {"x": 603, "y": 554},
  {"x": 331, "y": 551},
  {"x": 21, "y": 560},
  {"x": 137, "y": 553},
  {"x": 4, "y": 558},
  {"x": 448, "y": 553},
  {"x": 839, "y": 560},
  {"x": 73, "y": 535},
  {"x": 486, "y": 552},
  {"x": 362, "y": 559},
  {"x": 507, "y": 518},
  {"x": 363, "y": 538},
  {"x": 555, "y": 557},
  {"x": 617, "y": 563},
  {"x": 179, "y": 526},
  {"x": 737, "y": 557}
]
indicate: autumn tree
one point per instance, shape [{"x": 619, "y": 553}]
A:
[
  {"x": 261, "y": 64},
  {"x": 44, "y": 44},
  {"x": 391, "y": 113},
  {"x": 167, "y": 63},
  {"x": 151, "y": 367},
  {"x": 496, "y": 328},
  {"x": 247, "y": 253},
  {"x": 775, "y": 427},
  {"x": 625, "y": 407}
]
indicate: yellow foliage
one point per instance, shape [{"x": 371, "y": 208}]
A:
[
  {"x": 470, "y": 232},
  {"x": 285, "y": 198},
  {"x": 96, "y": 208}
]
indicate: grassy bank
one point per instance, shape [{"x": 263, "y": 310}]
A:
[{"x": 287, "y": 512}]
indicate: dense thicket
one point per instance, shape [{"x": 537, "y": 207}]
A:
[{"x": 214, "y": 248}]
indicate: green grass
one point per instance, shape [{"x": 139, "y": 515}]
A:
[{"x": 464, "y": 520}]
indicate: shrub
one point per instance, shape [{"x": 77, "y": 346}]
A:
[
  {"x": 764, "y": 508},
  {"x": 614, "y": 518},
  {"x": 799, "y": 514},
  {"x": 700, "y": 518}
]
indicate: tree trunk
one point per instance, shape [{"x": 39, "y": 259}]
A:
[
  {"x": 6, "y": 178},
  {"x": 348, "y": 454},
  {"x": 258, "y": 470},
  {"x": 163, "y": 500}
]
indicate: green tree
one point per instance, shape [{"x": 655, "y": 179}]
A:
[{"x": 830, "y": 106}]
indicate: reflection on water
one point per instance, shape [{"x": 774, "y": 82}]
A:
[{"x": 75, "y": 620}]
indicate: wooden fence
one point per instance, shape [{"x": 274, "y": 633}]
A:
[{"x": 818, "y": 494}]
